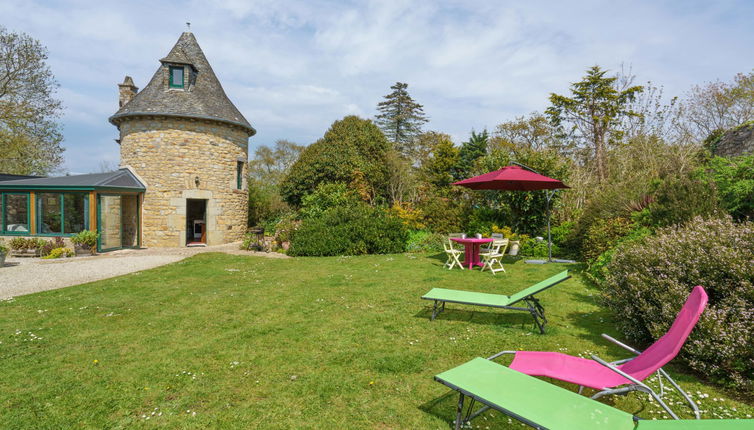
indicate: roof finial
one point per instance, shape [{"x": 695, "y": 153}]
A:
[{"x": 188, "y": 26}]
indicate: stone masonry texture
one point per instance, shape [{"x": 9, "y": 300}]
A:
[{"x": 169, "y": 154}]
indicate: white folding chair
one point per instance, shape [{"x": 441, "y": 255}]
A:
[
  {"x": 453, "y": 255},
  {"x": 493, "y": 256}
]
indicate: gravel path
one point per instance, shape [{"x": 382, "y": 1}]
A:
[{"x": 22, "y": 276}]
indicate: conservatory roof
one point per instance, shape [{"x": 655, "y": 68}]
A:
[{"x": 119, "y": 180}]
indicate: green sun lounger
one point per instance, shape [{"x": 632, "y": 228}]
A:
[
  {"x": 442, "y": 296},
  {"x": 546, "y": 406}
]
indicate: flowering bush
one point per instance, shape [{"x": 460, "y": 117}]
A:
[
  {"x": 412, "y": 217},
  {"x": 648, "y": 281},
  {"x": 59, "y": 253}
]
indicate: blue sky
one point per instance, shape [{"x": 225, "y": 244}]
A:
[{"x": 293, "y": 67}]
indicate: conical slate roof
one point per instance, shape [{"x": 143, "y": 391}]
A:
[{"x": 202, "y": 98}]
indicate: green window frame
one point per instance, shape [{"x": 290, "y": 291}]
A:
[
  {"x": 173, "y": 83},
  {"x": 239, "y": 175},
  {"x": 4, "y": 214},
  {"x": 61, "y": 203}
]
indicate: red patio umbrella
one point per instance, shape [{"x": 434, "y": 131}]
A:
[{"x": 516, "y": 178}]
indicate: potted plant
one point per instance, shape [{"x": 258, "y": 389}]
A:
[
  {"x": 3, "y": 253},
  {"x": 23, "y": 247},
  {"x": 85, "y": 242}
]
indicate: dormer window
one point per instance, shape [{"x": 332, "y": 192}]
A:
[{"x": 176, "y": 77}]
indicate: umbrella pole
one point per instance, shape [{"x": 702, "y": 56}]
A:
[{"x": 549, "y": 195}]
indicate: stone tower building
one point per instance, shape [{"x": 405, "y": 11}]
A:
[{"x": 188, "y": 143}]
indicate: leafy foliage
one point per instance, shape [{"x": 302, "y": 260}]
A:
[
  {"x": 355, "y": 230},
  {"x": 718, "y": 105},
  {"x": 603, "y": 235},
  {"x": 30, "y": 134},
  {"x": 443, "y": 156},
  {"x": 45, "y": 247},
  {"x": 648, "y": 281},
  {"x": 680, "y": 198},
  {"x": 594, "y": 110},
  {"x": 60, "y": 252},
  {"x": 353, "y": 151},
  {"x": 425, "y": 241},
  {"x": 86, "y": 238},
  {"x": 326, "y": 196},
  {"x": 734, "y": 180},
  {"x": 469, "y": 153}
]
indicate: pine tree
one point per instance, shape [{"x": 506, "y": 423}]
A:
[
  {"x": 401, "y": 119},
  {"x": 470, "y": 151}
]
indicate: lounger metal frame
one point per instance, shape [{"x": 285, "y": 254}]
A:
[
  {"x": 636, "y": 385},
  {"x": 533, "y": 307}
]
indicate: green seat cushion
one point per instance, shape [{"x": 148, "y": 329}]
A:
[
  {"x": 467, "y": 297},
  {"x": 532, "y": 400},
  {"x": 696, "y": 425},
  {"x": 540, "y": 286}
]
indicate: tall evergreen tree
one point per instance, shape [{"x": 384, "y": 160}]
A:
[
  {"x": 471, "y": 150},
  {"x": 594, "y": 112},
  {"x": 401, "y": 119}
]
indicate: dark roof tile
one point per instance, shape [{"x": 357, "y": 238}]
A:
[{"x": 202, "y": 99}]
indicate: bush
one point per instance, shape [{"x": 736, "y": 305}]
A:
[
  {"x": 603, "y": 235},
  {"x": 349, "y": 231},
  {"x": 598, "y": 267},
  {"x": 48, "y": 246},
  {"x": 326, "y": 196},
  {"x": 3, "y": 249},
  {"x": 411, "y": 217},
  {"x": 353, "y": 151},
  {"x": 59, "y": 253},
  {"x": 734, "y": 180},
  {"x": 265, "y": 202},
  {"x": 442, "y": 214},
  {"x": 425, "y": 241},
  {"x": 678, "y": 199},
  {"x": 536, "y": 248},
  {"x": 648, "y": 281}
]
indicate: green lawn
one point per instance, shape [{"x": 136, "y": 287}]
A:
[{"x": 227, "y": 341}]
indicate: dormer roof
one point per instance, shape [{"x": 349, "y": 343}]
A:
[{"x": 202, "y": 97}]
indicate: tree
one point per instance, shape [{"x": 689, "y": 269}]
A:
[
  {"x": 266, "y": 170},
  {"x": 718, "y": 106},
  {"x": 594, "y": 112},
  {"x": 353, "y": 151},
  {"x": 470, "y": 151},
  {"x": 401, "y": 119},
  {"x": 444, "y": 156},
  {"x": 533, "y": 132},
  {"x": 272, "y": 164},
  {"x": 30, "y": 135}
]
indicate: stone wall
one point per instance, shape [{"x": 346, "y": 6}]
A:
[
  {"x": 736, "y": 142},
  {"x": 170, "y": 154}
]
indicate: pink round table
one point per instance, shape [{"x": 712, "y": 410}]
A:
[{"x": 471, "y": 256}]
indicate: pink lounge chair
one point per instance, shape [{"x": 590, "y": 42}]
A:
[{"x": 623, "y": 376}]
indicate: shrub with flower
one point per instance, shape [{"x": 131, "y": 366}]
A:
[{"x": 648, "y": 280}]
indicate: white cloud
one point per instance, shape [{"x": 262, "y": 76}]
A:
[{"x": 293, "y": 67}]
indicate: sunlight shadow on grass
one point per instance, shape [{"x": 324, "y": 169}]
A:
[{"x": 502, "y": 318}]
